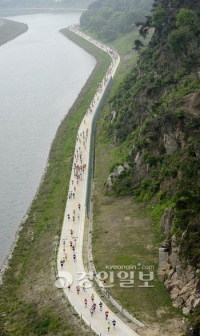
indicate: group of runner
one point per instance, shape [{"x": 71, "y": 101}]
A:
[
  {"x": 93, "y": 309},
  {"x": 79, "y": 168}
]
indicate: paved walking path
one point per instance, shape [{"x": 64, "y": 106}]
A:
[{"x": 73, "y": 226}]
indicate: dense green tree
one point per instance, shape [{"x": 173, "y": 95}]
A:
[
  {"x": 187, "y": 18},
  {"x": 97, "y": 23},
  {"x": 85, "y": 20},
  {"x": 119, "y": 16},
  {"x": 108, "y": 34},
  {"x": 138, "y": 45},
  {"x": 159, "y": 17},
  {"x": 180, "y": 40},
  {"x": 105, "y": 13}
]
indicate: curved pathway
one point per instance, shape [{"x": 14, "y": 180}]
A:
[{"x": 71, "y": 272}]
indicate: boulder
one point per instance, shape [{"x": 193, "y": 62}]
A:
[
  {"x": 170, "y": 273},
  {"x": 114, "y": 114},
  {"x": 174, "y": 293},
  {"x": 167, "y": 220},
  {"x": 178, "y": 303},
  {"x": 170, "y": 143},
  {"x": 173, "y": 257},
  {"x": 126, "y": 166},
  {"x": 161, "y": 276},
  {"x": 196, "y": 302},
  {"x": 186, "y": 311},
  {"x": 163, "y": 258},
  {"x": 117, "y": 171}
]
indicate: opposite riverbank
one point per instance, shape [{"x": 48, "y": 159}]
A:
[
  {"x": 30, "y": 303},
  {"x": 9, "y": 30}
]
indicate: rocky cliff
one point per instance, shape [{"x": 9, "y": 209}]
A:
[{"x": 156, "y": 114}]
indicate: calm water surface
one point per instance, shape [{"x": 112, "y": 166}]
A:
[{"x": 41, "y": 74}]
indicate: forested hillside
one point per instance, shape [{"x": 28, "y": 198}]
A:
[
  {"x": 109, "y": 19},
  {"x": 155, "y": 115},
  {"x": 158, "y": 113}
]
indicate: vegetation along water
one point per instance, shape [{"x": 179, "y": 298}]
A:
[{"x": 146, "y": 175}]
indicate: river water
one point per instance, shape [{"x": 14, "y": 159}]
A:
[{"x": 41, "y": 74}]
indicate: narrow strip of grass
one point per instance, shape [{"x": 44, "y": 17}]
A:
[{"x": 30, "y": 304}]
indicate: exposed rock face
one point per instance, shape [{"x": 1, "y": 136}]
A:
[
  {"x": 116, "y": 172},
  {"x": 170, "y": 142},
  {"x": 114, "y": 114},
  {"x": 183, "y": 284},
  {"x": 167, "y": 220}
]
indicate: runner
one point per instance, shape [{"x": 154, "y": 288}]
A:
[
  {"x": 106, "y": 314},
  {"x": 108, "y": 326},
  {"x": 85, "y": 301},
  {"x": 101, "y": 305},
  {"x": 113, "y": 323},
  {"x": 74, "y": 257},
  {"x": 91, "y": 311},
  {"x": 92, "y": 297},
  {"x": 78, "y": 289}
]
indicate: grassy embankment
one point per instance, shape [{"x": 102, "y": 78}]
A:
[
  {"x": 123, "y": 232},
  {"x": 9, "y": 30},
  {"x": 30, "y": 304}
]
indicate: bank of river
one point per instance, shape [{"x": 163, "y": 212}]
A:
[
  {"x": 10, "y": 30},
  {"x": 30, "y": 302}
]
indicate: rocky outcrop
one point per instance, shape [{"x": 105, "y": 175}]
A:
[
  {"x": 170, "y": 142},
  {"x": 115, "y": 173},
  {"x": 167, "y": 220},
  {"x": 183, "y": 283},
  {"x": 114, "y": 114}
]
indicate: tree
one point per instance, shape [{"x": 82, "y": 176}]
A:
[
  {"x": 159, "y": 17},
  {"x": 85, "y": 19},
  {"x": 108, "y": 34},
  {"x": 138, "y": 45},
  {"x": 97, "y": 23},
  {"x": 187, "y": 17},
  {"x": 180, "y": 40},
  {"x": 105, "y": 13}
]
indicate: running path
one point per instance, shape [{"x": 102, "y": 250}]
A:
[{"x": 70, "y": 262}]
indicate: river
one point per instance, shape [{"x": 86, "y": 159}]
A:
[{"x": 42, "y": 73}]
